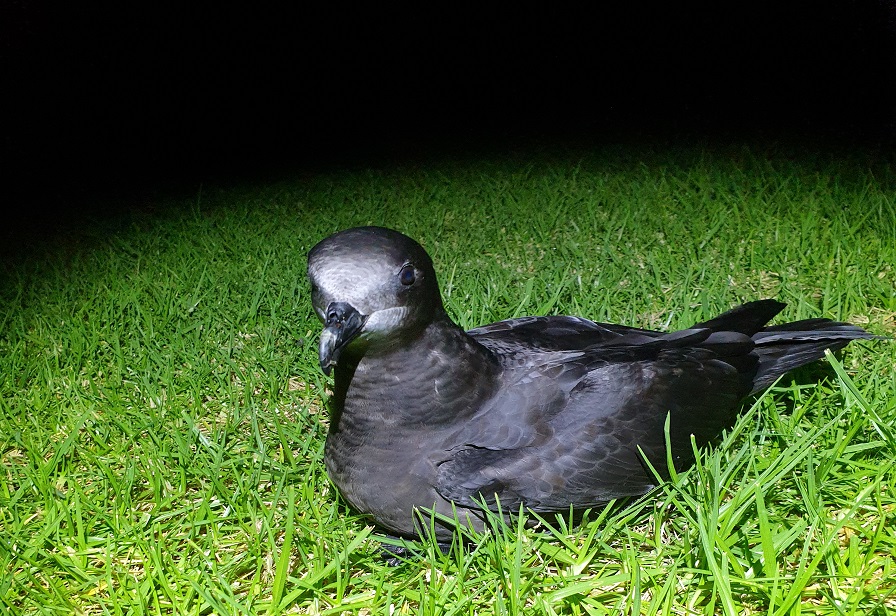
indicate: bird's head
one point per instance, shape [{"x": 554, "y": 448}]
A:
[{"x": 370, "y": 286}]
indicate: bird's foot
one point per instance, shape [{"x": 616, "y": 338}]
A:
[{"x": 396, "y": 550}]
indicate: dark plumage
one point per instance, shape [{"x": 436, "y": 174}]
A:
[{"x": 549, "y": 412}]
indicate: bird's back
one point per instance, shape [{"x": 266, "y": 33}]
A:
[{"x": 588, "y": 402}]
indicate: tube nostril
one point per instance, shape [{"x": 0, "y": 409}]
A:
[
  {"x": 338, "y": 313},
  {"x": 334, "y": 314}
]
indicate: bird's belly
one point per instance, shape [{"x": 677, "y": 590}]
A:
[{"x": 385, "y": 480}]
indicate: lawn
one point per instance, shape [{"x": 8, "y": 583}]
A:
[{"x": 162, "y": 413}]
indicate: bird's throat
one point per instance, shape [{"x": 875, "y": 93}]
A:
[{"x": 439, "y": 377}]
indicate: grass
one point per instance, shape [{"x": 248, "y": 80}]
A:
[{"x": 162, "y": 415}]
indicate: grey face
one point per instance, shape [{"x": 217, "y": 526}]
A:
[{"x": 370, "y": 284}]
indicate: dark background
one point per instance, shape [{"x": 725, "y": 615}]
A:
[{"x": 106, "y": 107}]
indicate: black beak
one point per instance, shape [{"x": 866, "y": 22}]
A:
[{"x": 341, "y": 326}]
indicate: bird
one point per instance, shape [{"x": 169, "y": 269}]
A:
[{"x": 433, "y": 427}]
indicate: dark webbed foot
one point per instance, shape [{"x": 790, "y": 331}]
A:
[{"x": 396, "y": 550}]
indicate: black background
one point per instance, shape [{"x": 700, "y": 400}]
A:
[{"x": 105, "y": 105}]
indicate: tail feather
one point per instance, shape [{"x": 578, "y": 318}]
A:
[{"x": 782, "y": 348}]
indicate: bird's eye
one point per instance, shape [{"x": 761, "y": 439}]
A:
[{"x": 407, "y": 276}]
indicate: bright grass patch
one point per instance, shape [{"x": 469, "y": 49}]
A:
[{"x": 162, "y": 414}]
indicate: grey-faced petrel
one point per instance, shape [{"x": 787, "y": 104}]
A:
[{"x": 544, "y": 412}]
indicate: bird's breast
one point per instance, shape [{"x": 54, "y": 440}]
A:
[{"x": 397, "y": 413}]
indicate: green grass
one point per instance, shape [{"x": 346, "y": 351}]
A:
[{"x": 162, "y": 414}]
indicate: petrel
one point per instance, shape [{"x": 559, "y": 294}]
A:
[{"x": 546, "y": 413}]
